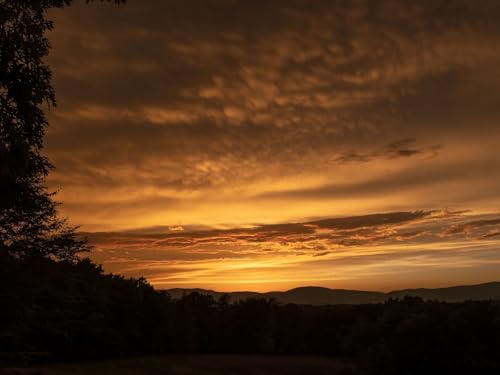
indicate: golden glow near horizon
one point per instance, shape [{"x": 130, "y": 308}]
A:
[
  {"x": 376, "y": 252},
  {"x": 182, "y": 135}
]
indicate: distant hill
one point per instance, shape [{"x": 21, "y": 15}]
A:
[
  {"x": 324, "y": 296},
  {"x": 455, "y": 293},
  {"x": 233, "y": 296}
]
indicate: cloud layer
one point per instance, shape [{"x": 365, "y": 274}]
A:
[
  {"x": 166, "y": 109},
  {"x": 379, "y": 251},
  {"x": 218, "y": 115}
]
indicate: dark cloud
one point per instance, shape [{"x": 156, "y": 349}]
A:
[
  {"x": 204, "y": 124},
  {"x": 470, "y": 226},
  {"x": 491, "y": 235},
  {"x": 398, "y": 149},
  {"x": 367, "y": 226},
  {"x": 378, "y": 242},
  {"x": 370, "y": 220}
]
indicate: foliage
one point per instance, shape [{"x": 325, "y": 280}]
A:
[
  {"x": 29, "y": 225},
  {"x": 69, "y": 311}
]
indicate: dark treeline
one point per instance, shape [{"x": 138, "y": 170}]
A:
[
  {"x": 67, "y": 311},
  {"x": 56, "y": 307}
]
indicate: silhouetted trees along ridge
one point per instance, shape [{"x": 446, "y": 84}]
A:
[
  {"x": 29, "y": 225},
  {"x": 69, "y": 311},
  {"x": 326, "y": 296},
  {"x": 56, "y": 306}
]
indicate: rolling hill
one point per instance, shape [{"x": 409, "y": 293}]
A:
[{"x": 324, "y": 296}]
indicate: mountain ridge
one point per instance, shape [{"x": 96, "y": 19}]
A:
[{"x": 316, "y": 295}]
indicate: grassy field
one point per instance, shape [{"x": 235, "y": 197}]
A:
[{"x": 196, "y": 365}]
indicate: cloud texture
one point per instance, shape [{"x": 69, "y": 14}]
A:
[
  {"x": 380, "y": 251},
  {"x": 229, "y": 114}
]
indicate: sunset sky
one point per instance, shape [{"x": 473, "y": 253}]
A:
[{"x": 233, "y": 145}]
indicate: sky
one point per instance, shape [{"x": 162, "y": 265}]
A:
[{"x": 265, "y": 145}]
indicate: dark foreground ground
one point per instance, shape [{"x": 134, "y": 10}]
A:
[
  {"x": 196, "y": 365},
  {"x": 58, "y": 312}
]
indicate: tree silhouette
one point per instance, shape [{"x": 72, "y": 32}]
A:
[{"x": 29, "y": 225}]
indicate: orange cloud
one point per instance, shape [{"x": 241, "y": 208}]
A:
[
  {"x": 237, "y": 114},
  {"x": 335, "y": 252}
]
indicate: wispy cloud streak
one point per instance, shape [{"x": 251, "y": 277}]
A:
[{"x": 381, "y": 248}]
